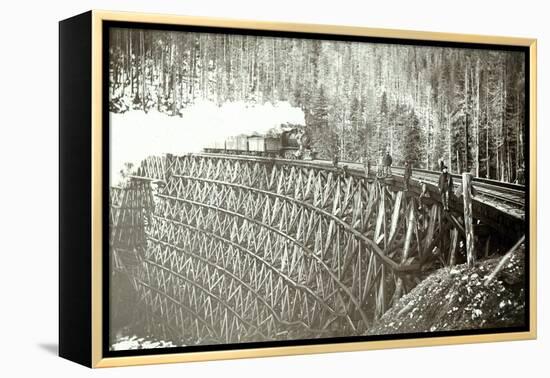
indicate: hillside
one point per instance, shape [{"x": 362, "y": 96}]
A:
[{"x": 457, "y": 299}]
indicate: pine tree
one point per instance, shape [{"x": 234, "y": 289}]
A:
[
  {"x": 412, "y": 146},
  {"x": 356, "y": 138}
]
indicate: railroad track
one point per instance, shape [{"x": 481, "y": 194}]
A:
[
  {"x": 511, "y": 194},
  {"x": 492, "y": 192}
]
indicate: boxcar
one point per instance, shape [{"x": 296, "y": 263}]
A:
[
  {"x": 256, "y": 144},
  {"x": 237, "y": 144},
  {"x": 264, "y": 146},
  {"x": 215, "y": 146}
]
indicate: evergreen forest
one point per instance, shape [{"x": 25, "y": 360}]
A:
[{"x": 422, "y": 103}]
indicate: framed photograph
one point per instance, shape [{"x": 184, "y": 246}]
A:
[{"x": 235, "y": 189}]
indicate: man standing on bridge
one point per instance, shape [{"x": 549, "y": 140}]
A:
[
  {"x": 407, "y": 175},
  {"x": 387, "y": 164},
  {"x": 441, "y": 164},
  {"x": 445, "y": 187},
  {"x": 335, "y": 160}
]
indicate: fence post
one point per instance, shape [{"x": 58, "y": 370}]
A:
[{"x": 468, "y": 219}]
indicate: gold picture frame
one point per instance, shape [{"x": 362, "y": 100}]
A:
[{"x": 91, "y": 328}]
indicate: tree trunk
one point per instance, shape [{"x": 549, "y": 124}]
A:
[
  {"x": 488, "y": 156},
  {"x": 499, "y": 177},
  {"x": 467, "y": 106},
  {"x": 131, "y": 67},
  {"x": 449, "y": 140},
  {"x": 476, "y": 120},
  {"x": 143, "y": 80},
  {"x": 173, "y": 84},
  {"x": 468, "y": 219}
]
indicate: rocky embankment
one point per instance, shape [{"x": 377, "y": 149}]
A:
[{"x": 458, "y": 299}]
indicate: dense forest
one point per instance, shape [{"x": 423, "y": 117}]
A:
[{"x": 465, "y": 106}]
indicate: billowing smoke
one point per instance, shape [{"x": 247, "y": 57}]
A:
[{"x": 135, "y": 135}]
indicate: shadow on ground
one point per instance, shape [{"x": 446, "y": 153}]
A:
[{"x": 51, "y": 348}]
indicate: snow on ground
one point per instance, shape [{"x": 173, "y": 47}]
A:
[
  {"x": 135, "y": 135},
  {"x": 134, "y": 342}
]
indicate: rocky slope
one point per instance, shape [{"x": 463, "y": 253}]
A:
[{"x": 457, "y": 299}]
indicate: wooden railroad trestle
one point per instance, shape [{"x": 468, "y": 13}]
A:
[{"x": 235, "y": 249}]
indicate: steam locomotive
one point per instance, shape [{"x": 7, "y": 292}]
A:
[{"x": 288, "y": 144}]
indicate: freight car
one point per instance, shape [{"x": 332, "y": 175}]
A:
[
  {"x": 264, "y": 145},
  {"x": 215, "y": 146},
  {"x": 236, "y": 144}
]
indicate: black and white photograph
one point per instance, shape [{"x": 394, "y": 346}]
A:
[{"x": 278, "y": 187}]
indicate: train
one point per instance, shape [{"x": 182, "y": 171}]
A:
[{"x": 293, "y": 143}]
